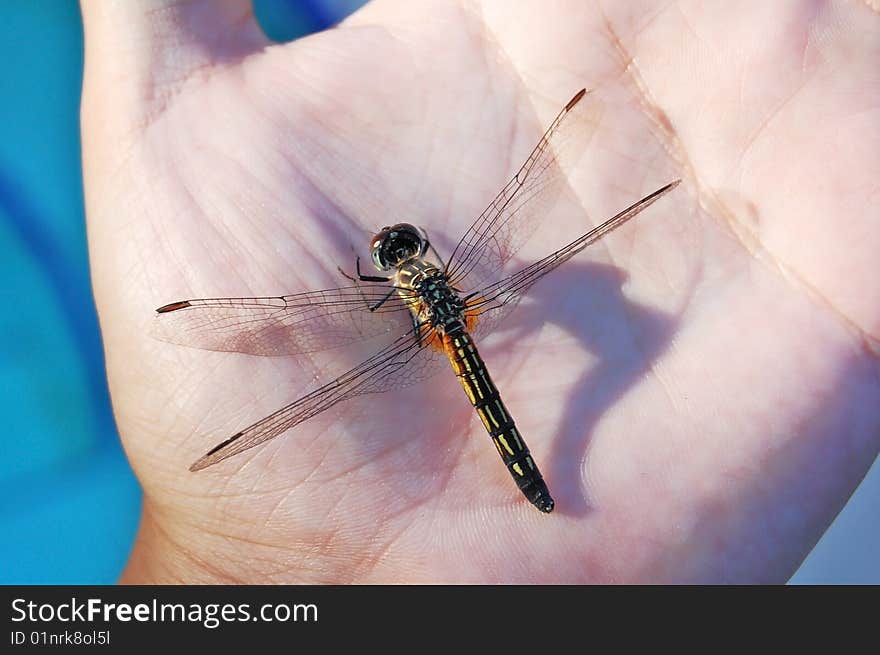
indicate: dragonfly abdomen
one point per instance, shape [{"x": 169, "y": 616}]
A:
[{"x": 484, "y": 396}]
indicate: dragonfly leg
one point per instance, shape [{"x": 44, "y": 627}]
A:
[
  {"x": 371, "y": 307},
  {"x": 361, "y": 276},
  {"x": 346, "y": 275},
  {"x": 381, "y": 302},
  {"x": 368, "y": 278}
]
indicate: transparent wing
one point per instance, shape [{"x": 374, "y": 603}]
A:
[
  {"x": 403, "y": 362},
  {"x": 514, "y": 215},
  {"x": 285, "y": 325},
  {"x": 491, "y": 304}
]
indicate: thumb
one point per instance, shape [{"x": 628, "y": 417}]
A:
[{"x": 138, "y": 53}]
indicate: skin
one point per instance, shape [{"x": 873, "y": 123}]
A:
[{"x": 701, "y": 388}]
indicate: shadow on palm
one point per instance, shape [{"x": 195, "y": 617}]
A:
[{"x": 623, "y": 338}]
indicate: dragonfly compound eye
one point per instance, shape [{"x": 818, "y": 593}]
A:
[
  {"x": 397, "y": 245},
  {"x": 378, "y": 261}
]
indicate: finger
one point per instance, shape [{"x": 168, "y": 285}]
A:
[{"x": 144, "y": 49}]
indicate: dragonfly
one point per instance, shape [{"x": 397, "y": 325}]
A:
[{"x": 427, "y": 311}]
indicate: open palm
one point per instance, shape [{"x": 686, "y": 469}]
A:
[{"x": 700, "y": 389}]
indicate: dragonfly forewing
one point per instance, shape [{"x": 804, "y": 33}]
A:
[
  {"x": 285, "y": 325},
  {"x": 526, "y": 200},
  {"x": 491, "y": 304}
]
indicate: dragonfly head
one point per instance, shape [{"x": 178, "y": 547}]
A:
[{"x": 396, "y": 245}]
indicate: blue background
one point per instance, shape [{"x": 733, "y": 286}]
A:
[{"x": 69, "y": 504}]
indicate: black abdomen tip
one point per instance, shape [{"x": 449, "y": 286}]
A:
[
  {"x": 544, "y": 503},
  {"x": 538, "y": 494},
  {"x": 543, "y": 500}
]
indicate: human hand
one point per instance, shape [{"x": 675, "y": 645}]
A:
[{"x": 699, "y": 418}]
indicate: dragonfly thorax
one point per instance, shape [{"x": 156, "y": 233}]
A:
[
  {"x": 442, "y": 306},
  {"x": 432, "y": 298}
]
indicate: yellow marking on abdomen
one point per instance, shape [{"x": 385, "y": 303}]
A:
[
  {"x": 467, "y": 389},
  {"x": 482, "y": 414},
  {"x": 505, "y": 444}
]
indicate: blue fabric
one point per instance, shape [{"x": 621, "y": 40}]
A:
[{"x": 69, "y": 503}]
